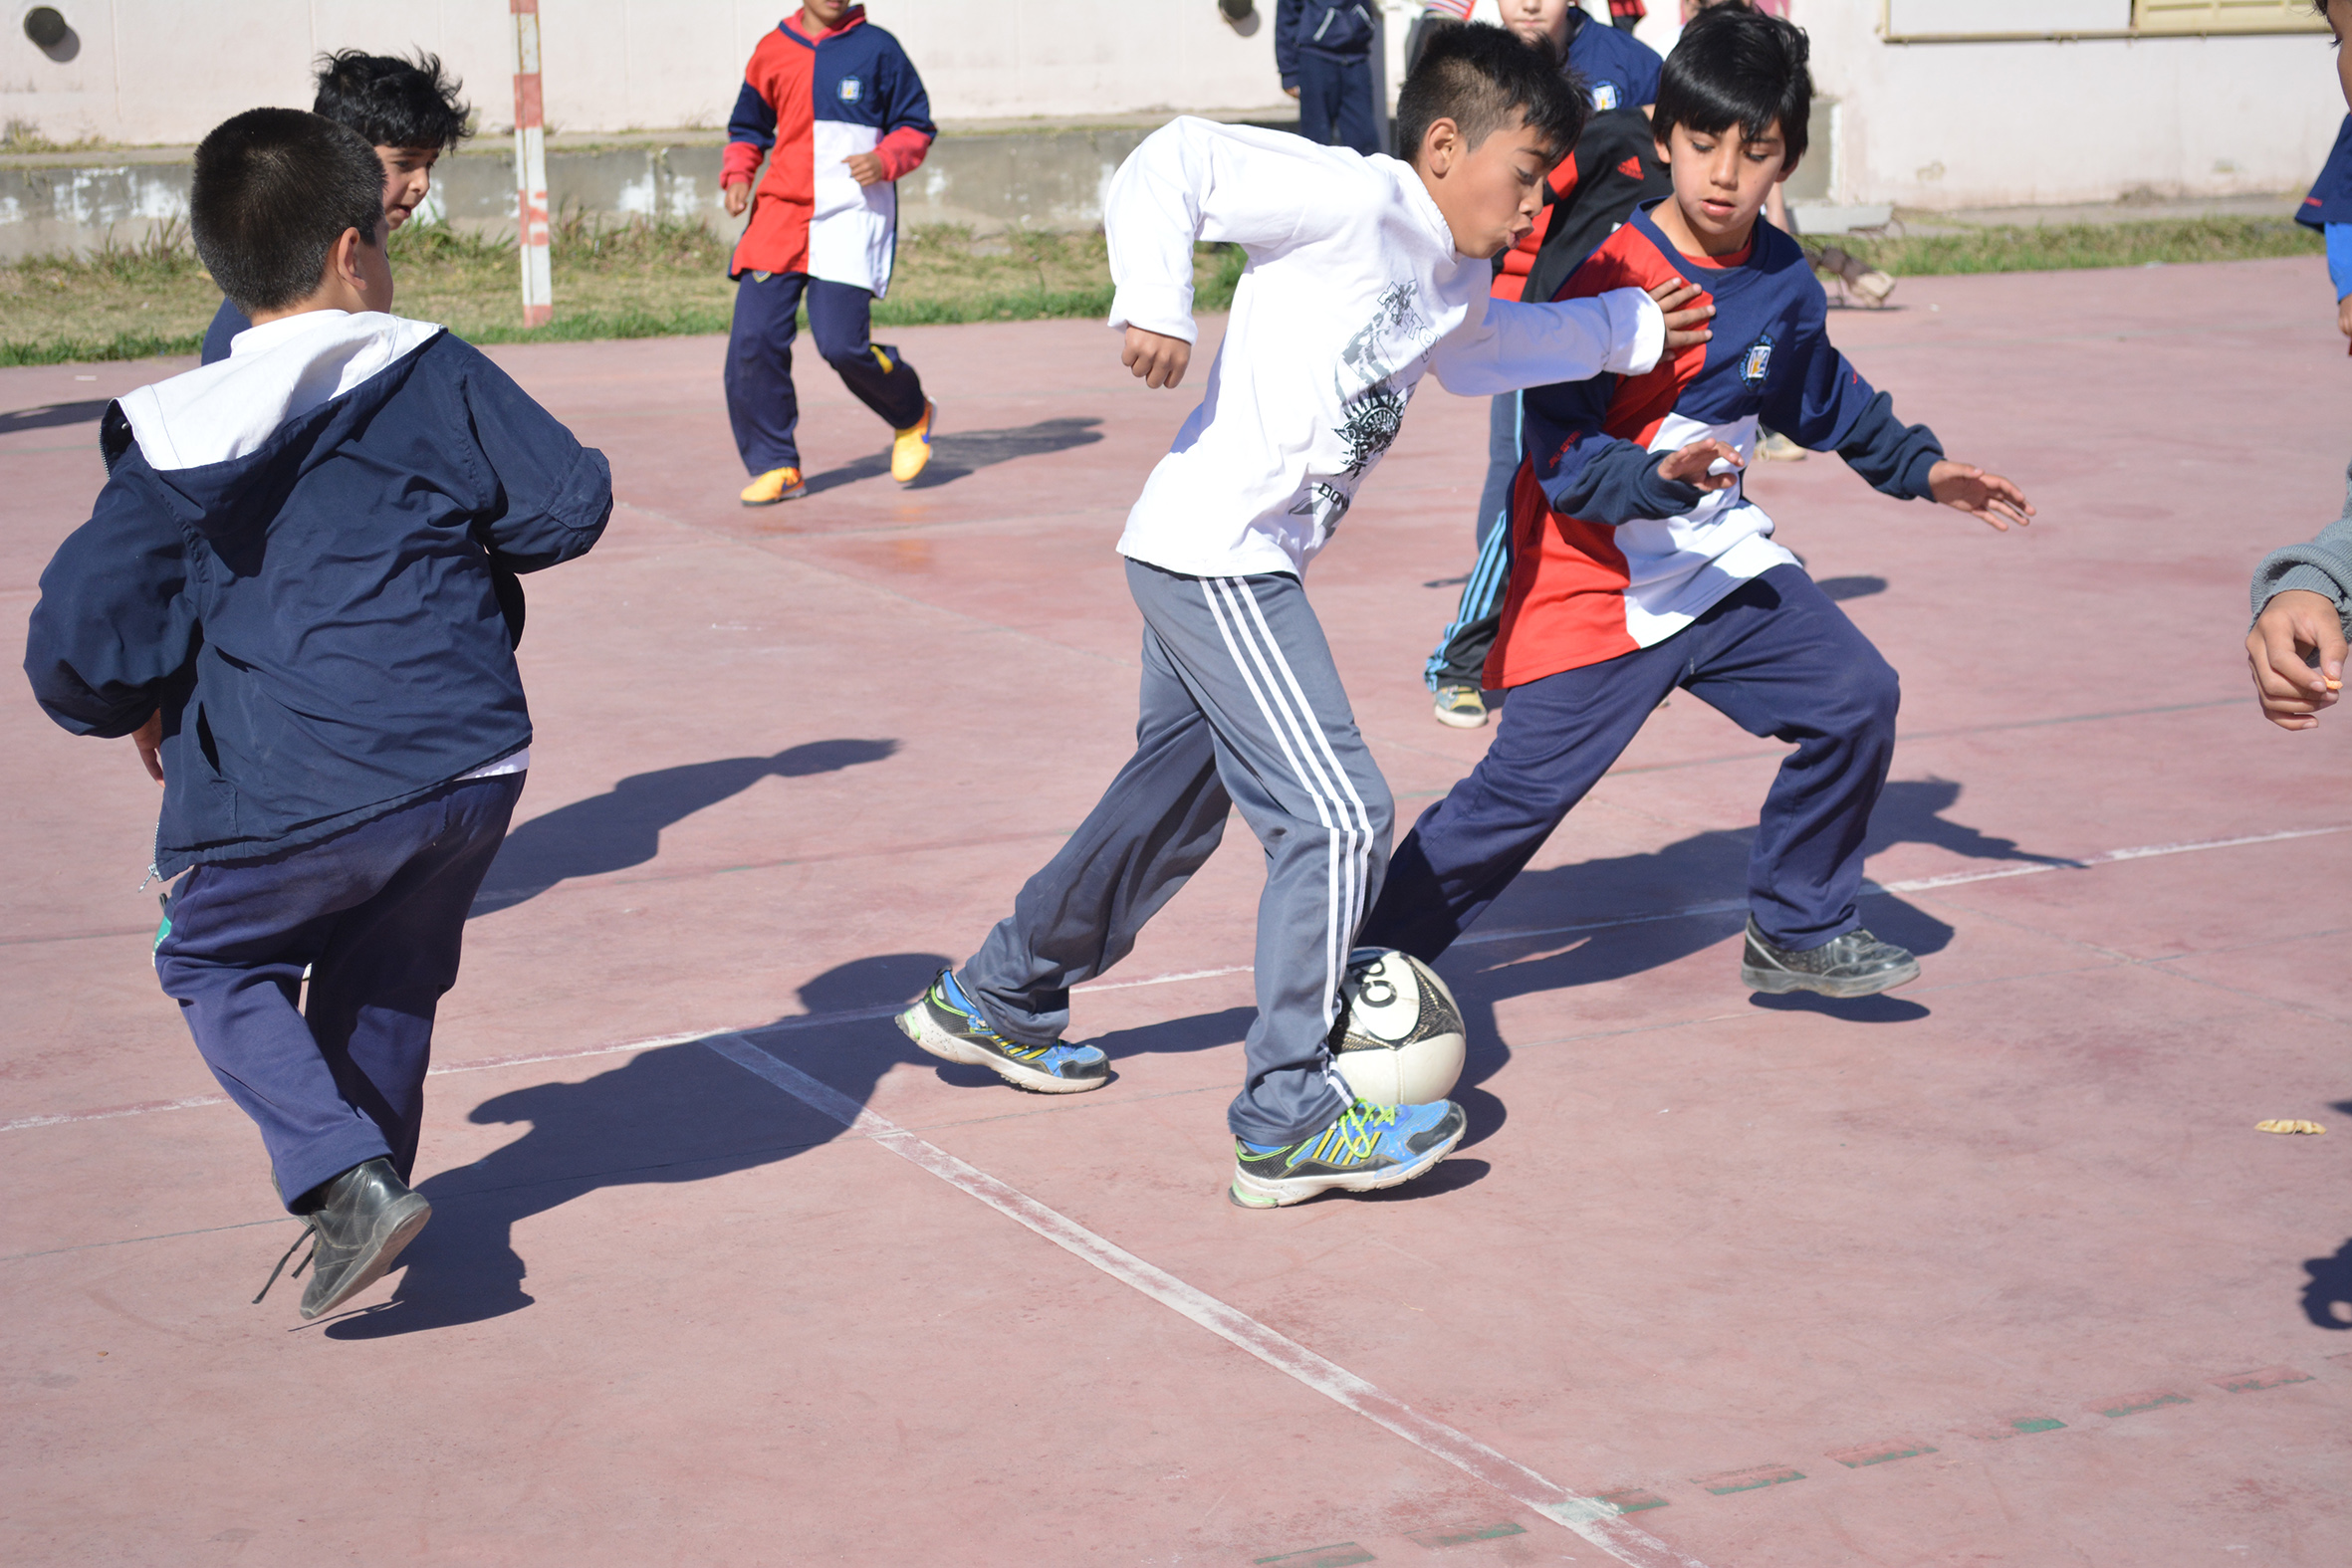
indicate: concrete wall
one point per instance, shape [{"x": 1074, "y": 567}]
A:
[
  {"x": 1967, "y": 124},
  {"x": 166, "y": 71}
]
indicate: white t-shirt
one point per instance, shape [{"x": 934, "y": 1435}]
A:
[{"x": 1354, "y": 291}]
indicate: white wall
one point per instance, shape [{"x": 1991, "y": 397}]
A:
[
  {"x": 166, "y": 71},
  {"x": 2011, "y": 123}
]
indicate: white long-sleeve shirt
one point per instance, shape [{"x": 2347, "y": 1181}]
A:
[{"x": 1354, "y": 291}]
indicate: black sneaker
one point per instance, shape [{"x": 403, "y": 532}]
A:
[
  {"x": 1365, "y": 1148},
  {"x": 363, "y": 1217},
  {"x": 944, "y": 1023},
  {"x": 1854, "y": 965}
]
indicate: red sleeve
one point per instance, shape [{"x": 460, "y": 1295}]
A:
[
  {"x": 901, "y": 152},
  {"x": 740, "y": 164}
]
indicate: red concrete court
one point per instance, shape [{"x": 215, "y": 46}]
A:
[{"x": 1992, "y": 1270}]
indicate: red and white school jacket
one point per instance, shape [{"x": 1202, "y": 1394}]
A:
[
  {"x": 1607, "y": 557},
  {"x": 815, "y": 100}
]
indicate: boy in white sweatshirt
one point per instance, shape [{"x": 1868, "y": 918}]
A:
[{"x": 1365, "y": 273}]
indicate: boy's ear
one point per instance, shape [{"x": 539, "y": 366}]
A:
[
  {"x": 1788, "y": 167},
  {"x": 1440, "y": 145}
]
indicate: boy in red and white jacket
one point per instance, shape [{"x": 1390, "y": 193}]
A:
[{"x": 834, "y": 107}]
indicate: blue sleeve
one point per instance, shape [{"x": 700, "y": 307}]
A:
[
  {"x": 1287, "y": 16},
  {"x": 1644, "y": 67},
  {"x": 1588, "y": 474},
  {"x": 227, "y": 323},
  {"x": 2339, "y": 257},
  {"x": 116, "y": 622},
  {"x": 1817, "y": 400},
  {"x": 550, "y": 496},
  {"x": 753, "y": 119},
  {"x": 905, "y": 103}
]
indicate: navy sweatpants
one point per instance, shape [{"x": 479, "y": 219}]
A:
[
  {"x": 761, "y": 403},
  {"x": 1335, "y": 102},
  {"x": 377, "y": 914},
  {"x": 1777, "y": 658}
]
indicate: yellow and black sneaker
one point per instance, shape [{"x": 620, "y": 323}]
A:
[
  {"x": 911, "y": 449},
  {"x": 1366, "y": 1147},
  {"x": 1460, "y": 707},
  {"x": 944, "y": 1023}
]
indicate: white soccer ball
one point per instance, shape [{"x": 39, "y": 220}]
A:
[{"x": 1400, "y": 1041}]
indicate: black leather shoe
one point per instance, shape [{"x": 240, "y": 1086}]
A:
[
  {"x": 1854, "y": 965},
  {"x": 364, "y": 1217}
]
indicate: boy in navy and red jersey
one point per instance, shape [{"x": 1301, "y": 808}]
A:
[
  {"x": 835, "y": 107},
  {"x": 1639, "y": 565}
]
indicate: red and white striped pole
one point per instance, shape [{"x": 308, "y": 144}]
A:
[{"x": 531, "y": 218}]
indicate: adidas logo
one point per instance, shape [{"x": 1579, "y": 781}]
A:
[{"x": 1631, "y": 167}]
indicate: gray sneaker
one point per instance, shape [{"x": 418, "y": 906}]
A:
[
  {"x": 1460, "y": 707},
  {"x": 1854, "y": 965}
]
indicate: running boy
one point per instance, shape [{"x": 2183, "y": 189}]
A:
[
  {"x": 1363, "y": 274},
  {"x": 412, "y": 115},
  {"x": 835, "y": 107},
  {"x": 1639, "y": 565},
  {"x": 284, "y": 594}
]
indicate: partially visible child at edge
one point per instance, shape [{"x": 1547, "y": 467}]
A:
[
  {"x": 411, "y": 112},
  {"x": 1323, "y": 51},
  {"x": 2303, "y": 594},
  {"x": 1640, "y": 566},
  {"x": 1363, "y": 275},
  {"x": 834, "y": 107},
  {"x": 335, "y": 719}
]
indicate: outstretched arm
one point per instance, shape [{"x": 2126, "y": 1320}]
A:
[{"x": 1511, "y": 346}]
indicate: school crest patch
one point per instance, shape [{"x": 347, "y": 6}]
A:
[
  {"x": 1605, "y": 97},
  {"x": 850, "y": 89},
  {"x": 1756, "y": 363}
]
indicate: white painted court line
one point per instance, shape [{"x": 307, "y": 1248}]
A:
[
  {"x": 811, "y": 1021},
  {"x": 1596, "y": 1521}
]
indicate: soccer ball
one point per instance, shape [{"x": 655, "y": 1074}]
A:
[{"x": 1400, "y": 1039}]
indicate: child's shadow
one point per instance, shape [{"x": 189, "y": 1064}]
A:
[
  {"x": 956, "y": 452},
  {"x": 676, "y": 1113}
]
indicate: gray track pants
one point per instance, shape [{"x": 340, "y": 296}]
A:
[{"x": 1242, "y": 706}]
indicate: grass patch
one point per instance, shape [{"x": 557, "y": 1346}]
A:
[
  {"x": 2064, "y": 247},
  {"x": 644, "y": 279},
  {"x": 637, "y": 279}
]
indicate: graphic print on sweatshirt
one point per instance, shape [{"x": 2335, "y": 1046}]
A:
[
  {"x": 1607, "y": 556},
  {"x": 1372, "y": 408}
]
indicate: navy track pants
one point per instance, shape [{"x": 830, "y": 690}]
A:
[
  {"x": 1335, "y": 102},
  {"x": 761, "y": 403},
  {"x": 377, "y": 914},
  {"x": 1777, "y": 658}
]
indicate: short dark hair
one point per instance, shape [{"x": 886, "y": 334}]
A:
[
  {"x": 1480, "y": 77},
  {"x": 274, "y": 189},
  {"x": 394, "y": 103},
  {"x": 1738, "y": 67}
]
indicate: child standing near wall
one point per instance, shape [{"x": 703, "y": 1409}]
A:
[
  {"x": 834, "y": 107},
  {"x": 407, "y": 109},
  {"x": 1323, "y": 50}
]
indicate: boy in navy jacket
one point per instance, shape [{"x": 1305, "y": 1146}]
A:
[
  {"x": 285, "y": 594},
  {"x": 1639, "y": 565},
  {"x": 1324, "y": 52}
]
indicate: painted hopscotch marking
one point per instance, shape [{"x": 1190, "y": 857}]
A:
[
  {"x": 1596, "y": 1521},
  {"x": 2134, "y": 1403},
  {"x": 2268, "y": 1377},
  {"x": 1856, "y": 1457},
  {"x": 1473, "y": 939},
  {"x": 1753, "y": 1479},
  {"x": 1464, "y": 1535}
]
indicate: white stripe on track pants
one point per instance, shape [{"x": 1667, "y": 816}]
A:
[{"x": 1241, "y": 707}]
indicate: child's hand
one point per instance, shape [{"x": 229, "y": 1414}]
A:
[
  {"x": 2293, "y": 626},
  {"x": 1695, "y": 464},
  {"x": 1684, "y": 320},
  {"x": 866, "y": 170},
  {"x": 1988, "y": 498},
  {"x": 148, "y": 738},
  {"x": 738, "y": 196},
  {"x": 1157, "y": 361},
  {"x": 2344, "y": 315}
]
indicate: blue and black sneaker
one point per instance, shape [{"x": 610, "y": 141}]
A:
[
  {"x": 1366, "y": 1147},
  {"x": 944, "y": 1023}
]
